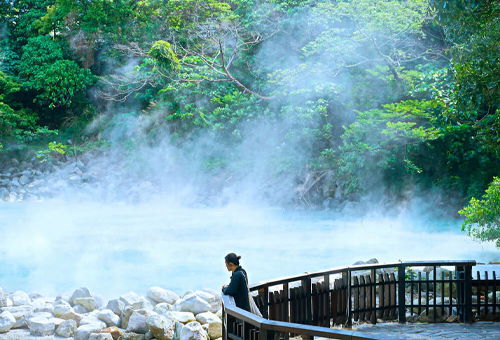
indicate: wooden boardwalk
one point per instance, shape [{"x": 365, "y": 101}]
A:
[{"x": 312, "y": 303}]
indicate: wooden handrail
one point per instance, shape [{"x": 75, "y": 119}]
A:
[
  {"x": 289, "y": 327},
  {"x": 361, "y": 267},
  {"x": 268, "y": 327}
]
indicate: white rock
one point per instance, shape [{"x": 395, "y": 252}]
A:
[
  {"x": 40, "y": 326},
  {"x": 163, "y": 308},
  {"x": 62, "y": 308},
  {"x": 83, "y": 332},
  {"x": 143, "y": 303},
  {"x": 20, "y": 313},
  {"x": 72, "y": 316},
  {"x": 91, "y": 319},
  {"x": 66, "y": 329},
  {"x": 127, "y": 312},
  {"x": 80, "y": 309},
  {"x": 161, "y": 327},
  {"x": 79, "y": 293},
  {"x": 193, "y": 331},
  {"x": 110, "y": 318},
  {"x": 57, "y": 321},
  {"x": 45, "y": 315},
  {"x": 207, "y": 317},
  {"x": 42, "y": 305},
  {"x": 213, "y": 323},
  {"x": 116, "y": 305},
  {"x": 7, "y": 321},
  {"x": 215, "y": 330},
  {"x": 100, "y": 336},
  {"x": 178, "y": 330},
  {"x": 130, "y": 298},
  {"x": 88, "y": 303},
  {"x": 3, "y": 297},
  {"x": 182, "y": 317},
  {"x": 137, "y": 323},
  {"x": 20, "y": 298},
  {"x": 192, "y": 303},
  {"x": 212, "y": 297},
  {"x": 160, "y": 295}
]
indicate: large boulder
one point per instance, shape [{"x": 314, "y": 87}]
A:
[
  {"x": 67, "y": 328},
  {"x": 212, "y": 297},
  {"x": 192, "y": 303},
  {"x": 207, "y": 317},
  {"x": 40, "y": 326},
  {"x": 109, "y": 317},
  {"x": 20, "y": 298},
  {"x": 161, "y": 327},
  {"x": 83, "y": 332},
  {"x": 116, "y": 305},
  {"x": 160, "y": 295},
  {"x": 213, "y": 323},
  {"x": 193, "y": 331},
  {"x": 91, "y": 317},
  {"x": 162, "y": 308},
  {"x": 137, "y": 322},
  {"x": 42, "y": 305},
  {"x": 20, "y": 313},
  {"x": 79, "y": 293},
  {"x": 130, "y": 298},
  {"x": 89, "y": 303},
  {"x": 62, "y": 308},
  {"x": 7, "y": 321},
  {"x": 182, "y": 317}
]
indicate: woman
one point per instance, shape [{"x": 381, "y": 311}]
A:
[{"x": 238, "y": 287}]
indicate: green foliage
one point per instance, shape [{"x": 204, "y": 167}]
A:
[
  {"x": 381, "y": 142},
  {"x": 16, "y": 126},
  {"x": 57, "y": 81},
  {"x": 482, "y": 217},
  {"x": 164, "y": 55},
  {"x": 368, "y": 95}
]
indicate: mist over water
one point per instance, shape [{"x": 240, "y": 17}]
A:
[
  {"x": 149, "y": 211},
  {"x": 55, "y": 246}
]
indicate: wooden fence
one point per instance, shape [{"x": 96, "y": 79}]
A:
[{"x": 429, "y": 291}]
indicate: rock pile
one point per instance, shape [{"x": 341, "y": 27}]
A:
[{"x": 161, "y": 315}]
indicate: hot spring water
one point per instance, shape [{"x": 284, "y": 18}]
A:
[{"x": 55, "y": 246}]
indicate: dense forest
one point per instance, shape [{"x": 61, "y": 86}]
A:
[{"x": 347, "y": 98}]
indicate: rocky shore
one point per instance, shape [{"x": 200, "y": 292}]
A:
[
  {"x": 30, "y": 178},
  {"x": 161, "y": 315}
]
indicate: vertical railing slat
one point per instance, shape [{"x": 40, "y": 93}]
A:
[{"x": 401, "y": 294}]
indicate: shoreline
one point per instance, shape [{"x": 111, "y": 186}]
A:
[{"x": 160, "y": 314}]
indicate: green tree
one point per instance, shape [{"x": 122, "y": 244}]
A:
[
  {"x": 482, "y": 217},
  {"x": 57, "y": 82}
]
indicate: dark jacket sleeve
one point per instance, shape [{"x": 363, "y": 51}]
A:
[{"x": 234, "y": 285}]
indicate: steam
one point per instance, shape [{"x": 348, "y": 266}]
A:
[{"x": 149, "y": 209}]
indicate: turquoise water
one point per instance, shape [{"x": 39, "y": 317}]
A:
[{"x": 53, "y": 247}]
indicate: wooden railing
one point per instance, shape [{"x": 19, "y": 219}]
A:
[{"x": 311, "y": 303}]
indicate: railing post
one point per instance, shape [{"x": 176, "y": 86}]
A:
[
  {"x": 265, "y": 312},
  {"x": 349, "y": 300},
  {"x": 468, "y": 294},
  {"x": 306, "y": 283},
  {"x": 373, "y": 289},
  {"x": 224, "y": 323},
  {"x": 263, "y": 334},
  {"x": 401, "y": 294}
]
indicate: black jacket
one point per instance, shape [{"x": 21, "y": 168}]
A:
[{"x": 238, "y": 288}]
